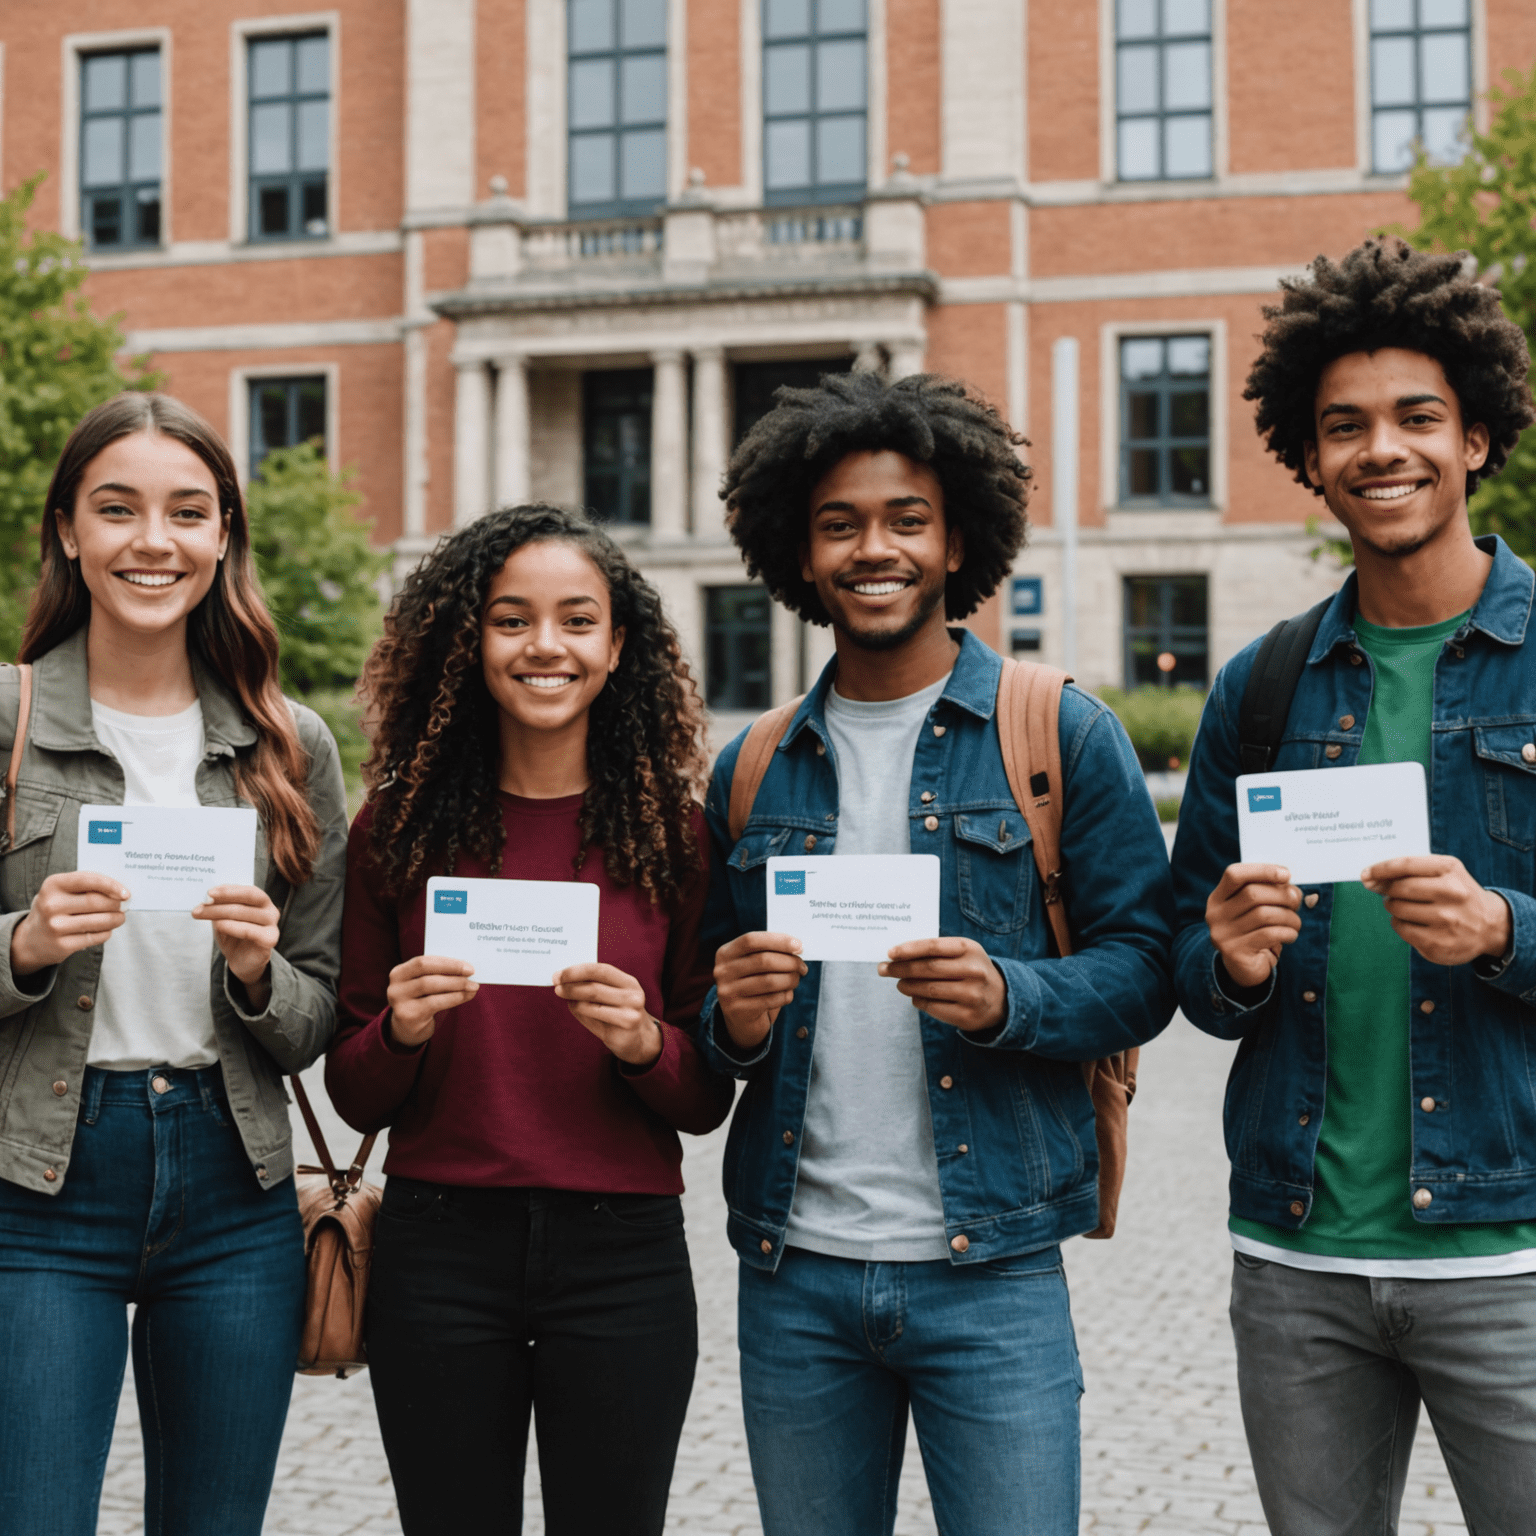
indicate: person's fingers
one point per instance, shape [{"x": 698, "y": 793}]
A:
[
  {"x": 928, "y": 949},
  {"x": 427, "y": 986},
  {"x": 941, "y": 991},
  {"x": 753, "y": 943},
  {"x": 1266, "y": 917},
  {"x": 1424, "y": 864},
  {"x": 430, "y": 965},
  {"x": 600, "y": 994},
  {"x": 251, "y": 933},
  {"x": 80, "y": 881},
  {"x": 613, "y": 1018},
  {"x": 949, "y": 969},
  {"x": 241, "y": 895},
  {"x": 85, "y": 922},
  {"x": 229, "y": 911},
  {"x": 1420, "y": 888},
  {"x": 1235, "y": 876},
  {"x": 760, "y": 964},
  {"x": 758, "y": 986},
  {"x": 594, "y": 971}
]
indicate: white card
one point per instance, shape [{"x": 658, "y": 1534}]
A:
[
  {"x": 516, "y": 933},
  {"x": 1328, "y": 824},
  {"x": 168, "y": 855},
  {"x": 854, "y": 907}
]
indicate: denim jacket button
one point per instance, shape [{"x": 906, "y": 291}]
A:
[
  {"x": 1346, "y": 722},
  {"x": 61, "y": 1088},
  {"x": 931, "y": 823},
  {"x": 1310, "y": 898},
  {"x": 810, "y": 841},
  {"x": 160, "y": 1084},
  {"x": 928, "y": 796},
  {"x": 1309, "y": 996},
  {"x": 1421, "y": 1199},
  {"x": 960, "y": 1243},
  {"x": 821, "y": 751},
  {"x": 1303, "y": 1120},
  {"x": 801, "y": 1033},
  {"x": 939, "y": 730},
  {"x": 1333, "y": 750},
  {"x": 1427, "y": 1006},
  {"x": 946, "y": 1081},
  {"x": 1297, "y": 1208},
  {"x": 789, "y": 1138},
  {"x": 1528, "y": 752},
  {"x": 1427, "y": 1104},
  {"x": 766, "y": 1246},
  {"x": 1355, "y": 658},
  {"x": 84, "y": 1004}
]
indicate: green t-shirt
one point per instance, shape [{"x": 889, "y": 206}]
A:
[{"x": 1362, "y": 1207}]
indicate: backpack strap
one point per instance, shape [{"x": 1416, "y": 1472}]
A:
[
  {"x": 18, "y": 741},
  {"x": 752, "y": 761},
  {"x": 1028, "y": 731},
  {"x": 1271, "y": 686}
]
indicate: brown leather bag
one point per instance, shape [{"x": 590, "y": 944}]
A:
[
  {"x": 338, "y": 1211},
  {"x": 1028, "y": 708}
]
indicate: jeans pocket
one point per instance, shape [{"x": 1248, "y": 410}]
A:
[
  {"x": 412, "y": 1200},
  {"x": 644, "y": 1213}
]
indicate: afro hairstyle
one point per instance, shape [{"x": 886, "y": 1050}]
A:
[
  {"x": 1386, "y": 294},
  {"x": 933, "y": 421}
]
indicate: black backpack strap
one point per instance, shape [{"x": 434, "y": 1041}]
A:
[{"x": 1272, "y": 685}]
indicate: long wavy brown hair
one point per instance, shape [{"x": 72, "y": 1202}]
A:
[
  {"x": 230, "y": 631},
  {"x": 435, "y": 767}
]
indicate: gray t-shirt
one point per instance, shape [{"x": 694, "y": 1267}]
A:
[{"x": 868, "y": 1185}]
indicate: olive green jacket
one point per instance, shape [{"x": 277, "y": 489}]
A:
[{"x": 46, "y": 1018}]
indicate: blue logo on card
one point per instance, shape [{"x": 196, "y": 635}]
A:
[
  {"x": 450, "y": 901},
  {"x": 104, "y": 832},
  {"x": 1265, "y": 799},
  {"x": 789, "y": 882}
]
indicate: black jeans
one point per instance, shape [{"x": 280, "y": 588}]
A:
[{"x": 486, "y": 1303}]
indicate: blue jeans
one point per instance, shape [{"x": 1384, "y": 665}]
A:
[
  {"x": 160, "y": 1210},
  {"x": 834, "y": 1350}
]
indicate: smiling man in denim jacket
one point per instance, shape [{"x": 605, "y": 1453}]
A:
[
  {"x": 915, "y": 1140},
  {"x": 1381, "y": 1115}
]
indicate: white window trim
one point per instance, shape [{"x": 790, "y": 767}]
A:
[
  {"x": 1364, "y": 150},
  {"x": 240, "y": 381},
  {"x": 876, "y": 94},
  {"x": 240, "y": 35},
  {"x": 752, "y": 100},
  {"x": 545, "y": 169},
  {"x": 75, "y": 46},
  {"x": 677, "y": 99},
  {"x": 1221, "y": 164},
  {"x": 1110, "y": 336}
]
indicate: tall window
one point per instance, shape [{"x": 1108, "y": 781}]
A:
[
  {"x": 617, "y": 106},
  {"x": 616, "y": 432},
  {"x": 756, "y": 382},
  {"x": 815, "y": 80},
  {"x": 737, "y": 648},
  {"x": 120, "y": 149},
  {"x": 285, "y": 412},
  {"x": 1163, "y": 89},
  {"x": 1167, "y": 637},
  {"x": 290, "y": 136},
  {"x": 1165, "y": 420},
  {"x": 1421, "y": 79}
]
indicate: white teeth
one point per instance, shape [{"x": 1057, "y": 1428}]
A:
[
  {"x": 878, "y": 588},
  {"x": 140, "y": 579},
  {"x": 1387, "y": 492},
  {"x": 545, "y": 681}
]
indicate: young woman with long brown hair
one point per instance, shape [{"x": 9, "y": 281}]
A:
[
  {"x": 534, "y": 720},
  {"x": 145, "y": 1156}
]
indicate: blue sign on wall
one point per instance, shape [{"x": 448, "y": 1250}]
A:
[{"x": 1028, "y": 594}]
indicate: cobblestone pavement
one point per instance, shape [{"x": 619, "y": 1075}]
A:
[{"x": 1163, "y": 1447}]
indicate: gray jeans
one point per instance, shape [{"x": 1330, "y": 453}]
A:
[{"x": 1331, "y": 1369}]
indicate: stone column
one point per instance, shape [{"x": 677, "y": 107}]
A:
[
  {"x": 512, "y": 439},
  {"x": 711, "y": 441},
  {"x": 906, "y": 358},
  {"x": 471, "y": 442},
  {"x": 669, "y": 447}
]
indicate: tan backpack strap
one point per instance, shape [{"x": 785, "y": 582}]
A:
[
  {"x": 1028, "y": 730},
  {"x": 18, "y": 740},
  {"x": 752, "y": 761}
]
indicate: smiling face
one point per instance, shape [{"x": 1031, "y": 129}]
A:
[
  {"x": 1392, "y": 452},
  {"x": 147, "y": 531},
  {"x": 547, "y": 639},
  {"x": 879, "y": 549}
]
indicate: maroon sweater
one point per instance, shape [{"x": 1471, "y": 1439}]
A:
[{"x": 511, "y": 1089}]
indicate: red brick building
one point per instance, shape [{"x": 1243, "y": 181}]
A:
[{"x": 491, "y": 249}]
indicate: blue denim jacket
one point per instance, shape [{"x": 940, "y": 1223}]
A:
[
  {"x": 1012, "y": 1120},
  {"x": 1473, "y": 1046}
]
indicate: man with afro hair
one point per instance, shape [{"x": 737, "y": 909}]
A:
[
  {"x": 1381, "y": 1113},
  {"x": 915, "y": 1140}
]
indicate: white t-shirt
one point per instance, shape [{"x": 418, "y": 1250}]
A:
[
  {"x": 868, "y": 1185},
  {"x": 152, "y": 1006}
]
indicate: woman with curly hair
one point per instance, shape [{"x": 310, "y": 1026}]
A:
[
  {"x": 533, "y": 719},
  {"x": 1381, "y": 1110}
]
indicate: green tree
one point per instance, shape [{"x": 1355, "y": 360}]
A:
[
  {"x": 57, "y": 360},
  {"x": 317, "y": 568},
  {"x": 1487, "y": 205}
]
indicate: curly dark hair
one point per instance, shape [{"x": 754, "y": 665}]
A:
[
  {"x": 1386, "y": 294},
  {"x": 932, "y": 420},
  {"x": 433, "y": 770}
]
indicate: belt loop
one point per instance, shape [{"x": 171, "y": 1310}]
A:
[
  {"x": 90, "y": 1095},
  {"x": 201, "y": 1078}
]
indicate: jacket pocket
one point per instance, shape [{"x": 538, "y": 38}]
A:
[
  {"x": 994, "y": 868},
  {"x": 25, "y": 865},
  {"x": 1509, "y": 782}
]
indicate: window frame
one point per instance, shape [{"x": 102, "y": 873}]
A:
[
  {"x": 241, "y": 35},
  {"x": 1111, "y": 335},
  {"x": 710, "y": 628},
  {"x": 1367, "y": 35},
  {"x": 293, "y": 380},
  {"x": 241, "y": 381},
  {"x": 128, "y": 190},
  {"x": 619, "y": 206},
  {"x": 1111, "y": 117},
  {"x": 76, "y": 46},
  {"x": 1165, "y": 631},
  {"x": 813, "y": 195},
  {"x": 625, "y": 479}
]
